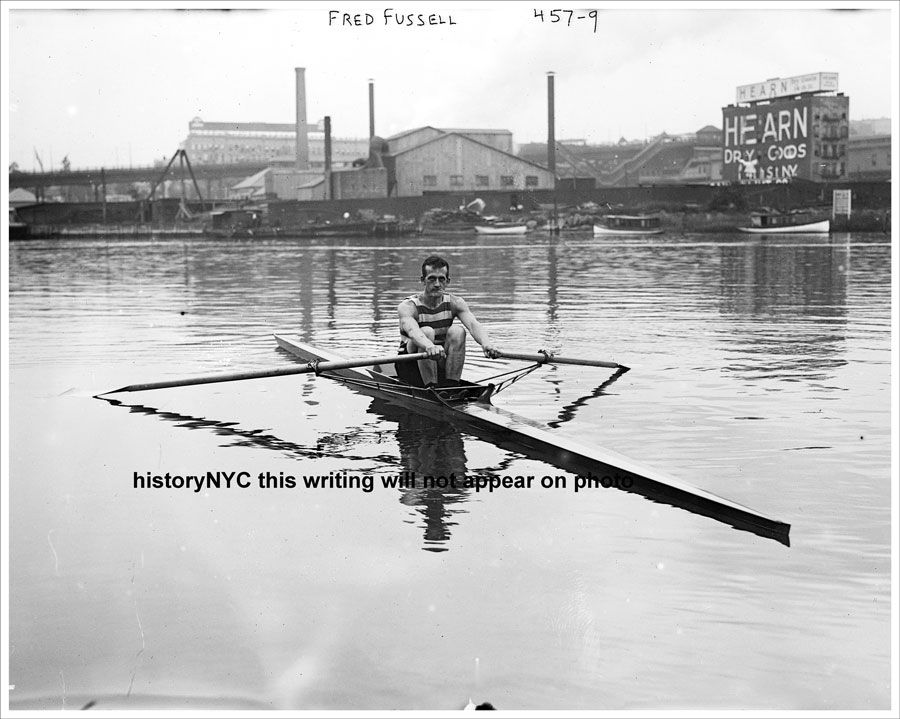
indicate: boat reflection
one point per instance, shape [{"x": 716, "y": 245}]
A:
[
  {"x": 428, "y": 448},
  {"x": 330, "y": 445}
]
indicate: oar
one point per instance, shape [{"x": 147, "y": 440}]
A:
[
  {"x": 544, "y": 357},
  {"x": 316, "y": 367}
]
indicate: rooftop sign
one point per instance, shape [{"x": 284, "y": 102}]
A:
[{"x": 787, "y": 86}]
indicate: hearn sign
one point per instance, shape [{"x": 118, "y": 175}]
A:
[
  {"x": 767, "y": 143},
  {"x": 787, "y": 87}
]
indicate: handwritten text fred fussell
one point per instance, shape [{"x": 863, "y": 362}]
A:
[{"x": 389, "y": 18}]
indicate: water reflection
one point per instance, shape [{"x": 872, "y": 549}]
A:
[
  {"x": 429, "y": 448},
  {"x": 567, "y": 413},
  {"x": 801, "y": 293},
  {"x": 335, "y": 444}
]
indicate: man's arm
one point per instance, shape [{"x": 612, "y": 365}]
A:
[
  {"x": 477, "y": 330},
  {"x": 410, "y": 327}
]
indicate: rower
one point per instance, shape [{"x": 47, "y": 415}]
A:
[{"x": 426, "y": 325}]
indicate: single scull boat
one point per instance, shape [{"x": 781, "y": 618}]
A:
[{"x": 469, "y": 405}]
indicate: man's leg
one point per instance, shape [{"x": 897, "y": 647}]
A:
[
  {"x": 427, "y": 368},
  {"x": 455, "y": 347}
]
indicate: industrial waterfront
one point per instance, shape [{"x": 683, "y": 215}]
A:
[{"x": 784, "y": 147}]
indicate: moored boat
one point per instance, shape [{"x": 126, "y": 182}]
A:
[
  {"x": 18, "y": 230},
  {"x": 773, "y": 223},
  {"x": 502, "y": 228},
  {"x": 383, "y": 227},
  {"x": 628, "y": 225}
]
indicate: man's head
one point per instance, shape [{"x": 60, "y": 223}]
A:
[
  {"x": 434, "y": 263},
  {"x": 435, "y": 276}
]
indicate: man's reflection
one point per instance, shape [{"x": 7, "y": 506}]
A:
[{"x": 429, "y": 448}]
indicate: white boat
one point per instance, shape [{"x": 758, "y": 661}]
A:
[
  {"x": 762, "y": 223},
  {"x": 629, "y": 225},
  {"x": 502, "y": 228}
]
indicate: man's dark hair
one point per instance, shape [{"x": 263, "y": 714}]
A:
[{"x": 436, "y": 262}]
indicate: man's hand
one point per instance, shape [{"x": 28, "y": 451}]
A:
[
  {"x": 490, "y": 351},
  {"x": 435, "y": 352}
]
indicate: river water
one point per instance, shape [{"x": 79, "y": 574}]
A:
[{"x": 760, "y": 372}]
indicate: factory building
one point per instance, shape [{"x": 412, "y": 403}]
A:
[
  {"x": 785, "y": 129},
  {"x": 869, "y": 158},
  {"x": 412, "y": 163},
  {"x": 217, "y": 143}
]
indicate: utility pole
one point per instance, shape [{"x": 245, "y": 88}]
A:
[
  {"x": 329, "y": 190},
  {"x": 371, "y": 108},
  {"x": 551, "y": 149},
  {"x": 103, "y": 183}
]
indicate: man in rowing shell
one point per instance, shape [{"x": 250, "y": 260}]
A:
[{"x": 426, "y": 325}]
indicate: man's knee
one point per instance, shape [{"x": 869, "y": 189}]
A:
[
  {"x": 456, "y": 336},
  {"x": 412, "y": 347}
]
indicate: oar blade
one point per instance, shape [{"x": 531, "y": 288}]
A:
[{"x": 210, "y": 379}]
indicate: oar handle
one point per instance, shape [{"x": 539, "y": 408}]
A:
[
  {"x": 544, "y": 357},
  {"x": 317, "y": 367}
]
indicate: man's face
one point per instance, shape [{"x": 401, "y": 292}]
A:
[{"x": 435, "y": 280}]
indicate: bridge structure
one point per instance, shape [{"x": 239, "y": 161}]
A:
[{"x": 99, "y": 176}]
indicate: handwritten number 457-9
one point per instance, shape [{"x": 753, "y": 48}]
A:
[{"x": 567, "y": 16}]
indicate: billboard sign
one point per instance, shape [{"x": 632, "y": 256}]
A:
[
  {"x": 787, "y": 87},
  {"x": 841, "y": 202},
  {"x": 767, "y": 143}
]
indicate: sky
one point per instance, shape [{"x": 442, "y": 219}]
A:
[{"x": 117, "y": 84}]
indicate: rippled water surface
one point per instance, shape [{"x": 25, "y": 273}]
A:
[{"x": 760, "y": 372}]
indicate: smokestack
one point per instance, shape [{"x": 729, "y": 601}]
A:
[
  {"x": 328, "y": 157},
  {"x": 327, "y": 143},
  {"x": 371, "y": 108},
  {"x": 302, "y": 139},
  {"x": 551, "y": 129}
]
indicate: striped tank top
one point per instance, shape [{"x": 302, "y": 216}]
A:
[{"x": 439, "y": 318}]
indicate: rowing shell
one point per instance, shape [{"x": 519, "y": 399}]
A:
[{"x": 469, "y": 405}]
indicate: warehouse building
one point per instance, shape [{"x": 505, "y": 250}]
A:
[
  {"x": 499, "y": 139},
  {"x": 412, "y": 163},
  {"x": 869, "y": 158},
  {"x": 428, "y": 159}
]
